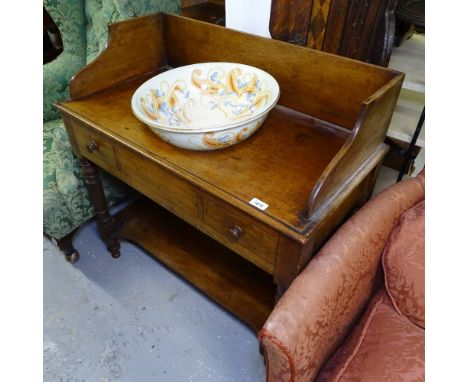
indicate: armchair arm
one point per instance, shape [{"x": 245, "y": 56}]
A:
[
  {"x": 56, "y": 78},
  {"x": 70, "y": 19},
  {"x": 319, "y": 308}
]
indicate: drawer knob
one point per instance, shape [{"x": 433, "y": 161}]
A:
[
  {"x": 92, "y": 146},
  {"x": 236, "y": 232}
]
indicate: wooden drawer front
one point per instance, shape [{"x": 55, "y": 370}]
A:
[
  {"x": 244, "y": 235},
  {"x": 94, "y": 146},
  {"x": 166, "y": 189}
]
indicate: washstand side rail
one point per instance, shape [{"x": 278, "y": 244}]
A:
[{"x": 363, "y": 149}]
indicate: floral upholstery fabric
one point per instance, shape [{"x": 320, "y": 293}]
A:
[
  {"x": 100, "y": 13},
  {"x": 83, "y": 26},
  {"x": 319, "y": 308},
  {"x": 279, "y": 365},
  {"x": 403, "y": 264},
  {"x": 134, "y": 8},
  {"x": 385, "y": 346},
  {"x": 70, "y": 19}
]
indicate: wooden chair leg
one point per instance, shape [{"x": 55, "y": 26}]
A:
[{"x": 65, "y": 244}]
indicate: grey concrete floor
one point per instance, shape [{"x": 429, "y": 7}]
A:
[{"x": 132, "y": 319}]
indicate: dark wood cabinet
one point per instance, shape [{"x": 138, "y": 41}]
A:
[
  {"x": 359, "y": 29},
  {"x": 210, "y": 11}
]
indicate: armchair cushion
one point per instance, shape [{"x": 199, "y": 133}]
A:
[
  {"x": 384, "y": 346},
  {"x": 403, "y": 264}
]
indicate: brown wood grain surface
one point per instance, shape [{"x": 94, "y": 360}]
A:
[
  {"x": 358, "y": 29},
  {"x": 329, "y": 87},
  {"x": 352, "y": 82},
  {"x": 279, "y": 164},
  {"x": 231, "y": 281},
  {"x": 336, "y": 22},
  {"x": 139, "y": 49},
  {"x": 318, "y": 23},
  {"x": 289, "y": 20},
  {"x": 207, "y": 11},
  {"x": 364, "y": 148}
]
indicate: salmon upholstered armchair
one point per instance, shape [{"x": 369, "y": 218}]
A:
[
  {"x": 83, "y": 27},
  {"x": 324, "y": 328}
]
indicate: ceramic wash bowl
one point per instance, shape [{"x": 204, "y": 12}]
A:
[{"x": 206, "y": 106}]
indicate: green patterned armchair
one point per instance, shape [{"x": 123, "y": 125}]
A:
[{"x": 83, "y": 28}]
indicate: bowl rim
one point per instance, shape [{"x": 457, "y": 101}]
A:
[{"x": 195, "y": 129}]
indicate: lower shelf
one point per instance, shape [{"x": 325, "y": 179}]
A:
[{"x": 230, "y": 280}]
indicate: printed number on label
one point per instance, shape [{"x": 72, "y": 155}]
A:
[{"x": 259, "y": 204}]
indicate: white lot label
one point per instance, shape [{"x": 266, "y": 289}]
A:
[{"x": 259, "y": 204}]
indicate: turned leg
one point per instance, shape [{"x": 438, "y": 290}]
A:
[
  {"x": 105, "y": 221},
  {"x": 65, "y": 244}
]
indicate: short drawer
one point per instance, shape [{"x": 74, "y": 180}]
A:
[
  {"x": 163, "y": 187},
  {"x": 240, "y": 232},
  {"x": 94, "y": 146}
]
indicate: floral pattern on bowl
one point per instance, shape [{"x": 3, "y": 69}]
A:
[
  {"x": 231, "y": 96},
  {"x": 169, "y": 105},
  {"x": 210, "y": 140},
  {"x": 206, "y": 106}
]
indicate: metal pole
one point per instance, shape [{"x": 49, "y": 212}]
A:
[{"x": 409, "y": 157}]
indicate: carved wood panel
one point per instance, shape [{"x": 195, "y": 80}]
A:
[
  {"x": 360, "y": 29},
  {"x": 289, "y": 20},
  {"x": 318, "y": 23}
]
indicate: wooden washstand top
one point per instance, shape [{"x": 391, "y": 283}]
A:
[{"x": 324, "y": 136}]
